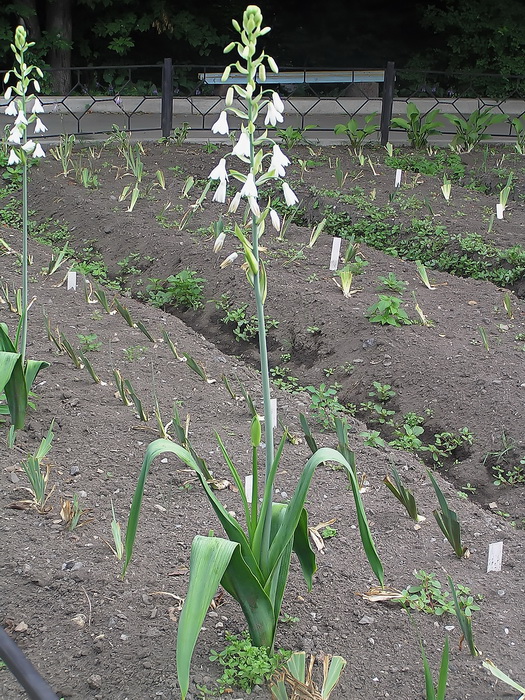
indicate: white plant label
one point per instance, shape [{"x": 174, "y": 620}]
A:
[
  {"x": 499, "y": 211},
  {"x": 334, "y": 258},
  {"x": 72, "y": 280},
  {"x": 248, "y": 485},
  {"x": 273, "y": 408},
  {"x": 397, "y": 181},
  {"x": 495, "y": 556}
]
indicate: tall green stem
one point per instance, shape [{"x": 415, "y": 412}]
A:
[
  {"x": 23, "y": 334},
  {"x": 263, "y": 350}
]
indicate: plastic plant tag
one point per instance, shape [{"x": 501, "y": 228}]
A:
[
  {"x": 397, "y": 180},
  {"x": 334, "y": 257},
  {"x": 495, "y": 556},
  {"x": 248, "y": 485},
  {"x": 71, "y": 280},
  {"x": 499, "y": 211},
  {"x": 273, "y": 406}
]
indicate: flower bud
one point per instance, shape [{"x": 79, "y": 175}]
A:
[
  {"x": 229, "y": 97},
  {"x": 256, "y": 431},
  {"x": 219, "y": 242},
  {"x": 20, "y": 37},
  {"x": 229, "y": 260}
]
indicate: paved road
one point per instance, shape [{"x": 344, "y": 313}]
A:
[{"x": 95, "y": 117}]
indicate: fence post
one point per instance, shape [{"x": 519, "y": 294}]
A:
[
  {"x": 387, "y": 102},
  {"x": 166, "y": 112}
]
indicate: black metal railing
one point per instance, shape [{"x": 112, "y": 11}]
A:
[{"x": 95, "y": 99}]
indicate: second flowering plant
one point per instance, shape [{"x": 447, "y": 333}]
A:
[{"x": 252, "y": 562}]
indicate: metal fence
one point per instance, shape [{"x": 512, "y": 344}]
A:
[{"x": 152, "y": 99}]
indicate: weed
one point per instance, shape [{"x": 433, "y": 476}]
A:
[
  {"x": 183, "y": 290},
  {"x": 391, "y": 282},
  {"x": 291, "y": 137},
  {"x": 372, "y": 438},
  {"x": 418, "y": 127},
  {"x": 387, "y": 311},
  {"x": 245, "y": 665},
  {"x": 325, "y": 405},
  {"x": 328, "y": 532},
  {"x": 246, "y": 327},
  {"x": 135, "y": 352},
  {"x": 428, "y": 596},
  {"x": 356, "y": 134},
  {"x": 89, "y": 342}
]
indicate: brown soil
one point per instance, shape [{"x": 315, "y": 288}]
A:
[{"x": 93, "y": 635}]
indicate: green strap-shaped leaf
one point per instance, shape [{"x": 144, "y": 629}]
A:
[
  {"x": 33, "y": 367},
  {"x": 230, "y": 525},
  {"x": 15, "y": 390},
  {"x": 335, "y": 669},
  {"x": 296, "y": 504},
  {"x": 297, "y": 665},
  {"x": 210, "y": 557},
  {"x": 7, "y": 364},
  {"x": 6, "y": 343},
  {"x": 239, "y": 581}
]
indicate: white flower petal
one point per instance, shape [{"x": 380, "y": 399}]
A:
[
  {"x": 254, "y": 206},
  {"x": 219, "y": 242},
  {"x": 21, "y": 119},
  {"x": 277, "y": 102},
  {"x": 242, "y": 147},
  {"x": 221, "y": 125},
  {"x": 39, "y": 152},
  {"x": 289, "y": 195},
  {"x": 11, "y": 109},
  {"x": 249, "y": 189},
  {"x": 14, "y": 135},
  {"x": 37, "y": 106},
  {"x": 276, "y": 221},
  {"x": 219, "y": 172},
  {"x": 228, "y": 261},
  {"x": 234, "y": 204},
  {"x": 278, "y": 162},
  {"x": 40, "y": 127},
  {"x": 13, "y": 158},
  {"x": 220, "y": 192},
  {"x": 29, "y": 147},
  {"x": 272, "y": 115}
]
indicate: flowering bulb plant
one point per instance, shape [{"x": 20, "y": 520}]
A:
[
  {"x": 252, "y": 563},
  {"x": 17, "y": 374},
  {"x": 26, "y": 108}
]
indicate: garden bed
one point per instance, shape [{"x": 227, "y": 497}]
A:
[{"x": 458, "y": 366}]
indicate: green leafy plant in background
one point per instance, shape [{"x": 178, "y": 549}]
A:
[
  {"x": 251, "y": 563},
  {"x": 357, "y": 134},
  {"x": 183, "y": 290},
  {"x": 418, "y": 127},
  {"x": 470, "y": 132},
  {"x": 388, "y": 311}
]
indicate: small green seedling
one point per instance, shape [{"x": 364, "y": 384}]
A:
[
  {"x": 387, "y": 311},
  {"x": 403, "y": 495},
  {"x": 448, "y": 522}
]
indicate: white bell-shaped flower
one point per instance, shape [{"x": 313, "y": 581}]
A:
[
  {"x": 219, "y": 172},
  {"x": 242, "y": 147},
  {"x": 11, "y": 109},
  {"x": 37, "y": 106},
  {"x": 220, "y": 192},
  {"x": 289, "y": 195},
  {"x": 249, "y": 189},
  {"x": 221, "y": 125},
  {"x": 13, "y": 158},
  {"x": 40, "y": 127}
]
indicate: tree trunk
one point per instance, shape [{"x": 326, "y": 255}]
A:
[
  {"x": 60, "y": 28},
  {"x": 29, "y": 18}
]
